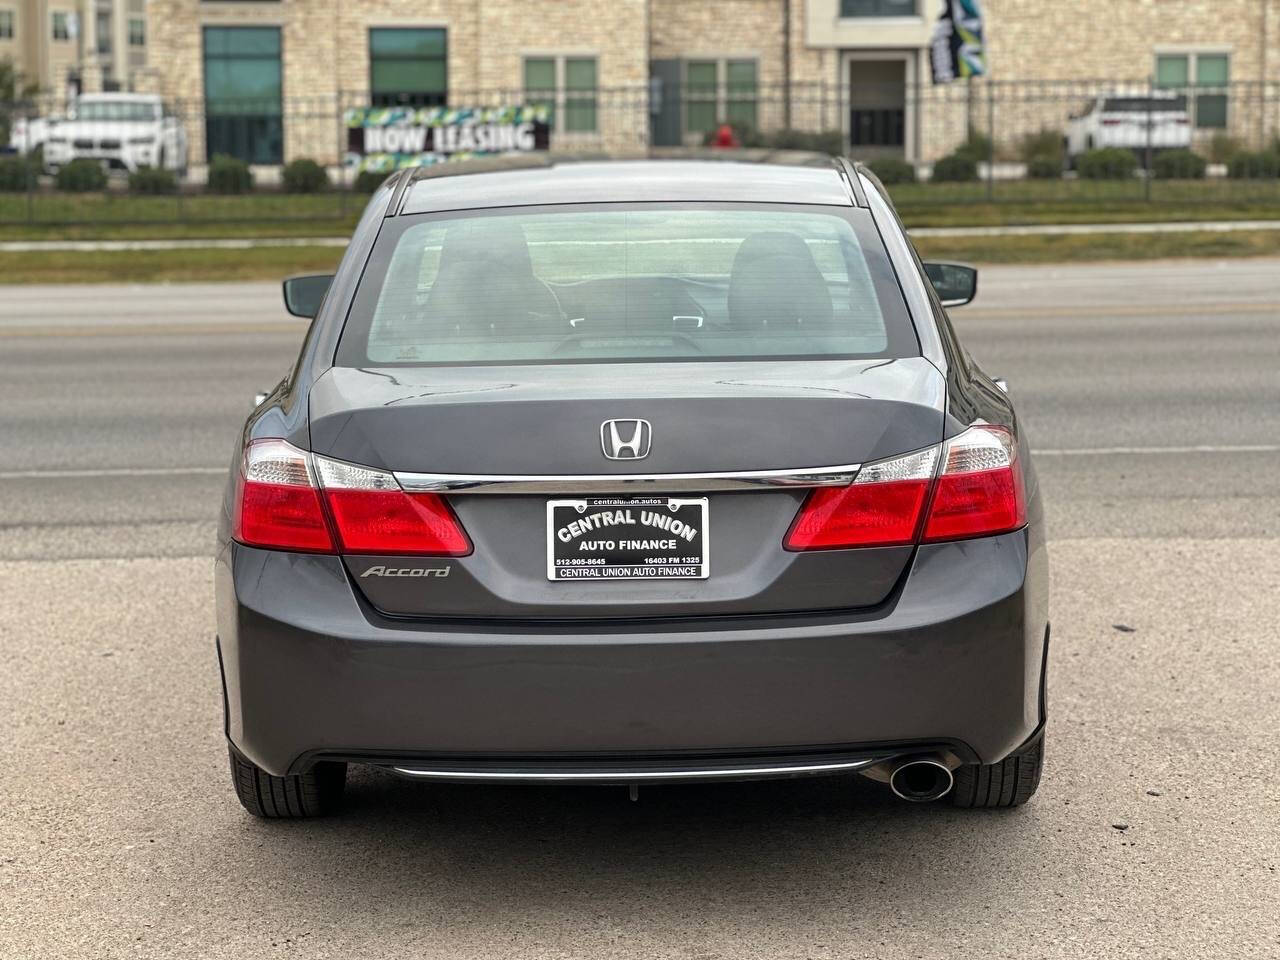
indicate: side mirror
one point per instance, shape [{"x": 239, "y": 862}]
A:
[
  {"x": 303, "y": 295},
  {"x": 956, "y": 284}
]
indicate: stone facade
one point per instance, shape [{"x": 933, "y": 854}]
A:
[
  {"x": 50, "y": 61},
  {"x": 814, "y": 67}
]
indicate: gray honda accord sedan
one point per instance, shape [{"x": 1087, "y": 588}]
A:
[{"x": 630, "y": 472}]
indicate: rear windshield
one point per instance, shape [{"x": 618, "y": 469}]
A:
[
  {"x": 1144, "y": 104},
  {"x": 591, "y": 283},
  {"x": 116, "y": 110}
]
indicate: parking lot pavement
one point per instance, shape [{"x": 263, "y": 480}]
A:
[{"x": 1151, "y": 393}]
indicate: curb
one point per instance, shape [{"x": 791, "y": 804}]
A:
[{"x": 1038, "y": 230}]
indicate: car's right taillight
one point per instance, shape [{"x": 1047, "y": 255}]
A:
[
  {"x": 977, "y": 492},
  {"x": 881, "y": 508}
]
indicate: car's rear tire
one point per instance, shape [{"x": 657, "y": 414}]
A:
[
  {"x": 316, "y": 793},
  {"x": 1009, "y": 783}
]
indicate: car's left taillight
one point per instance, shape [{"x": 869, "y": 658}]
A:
[
  {"x": 278, "y": 502},
  {"x": 287, "y": 499},
  {"x": 372, "y": 514}
]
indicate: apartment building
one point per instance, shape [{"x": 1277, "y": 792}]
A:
[
  {"x": 67, "y": 46},
  {"x": 270, "y": 79}
]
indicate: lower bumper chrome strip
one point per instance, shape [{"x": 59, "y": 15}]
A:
[{"x": 624, "y": 776}]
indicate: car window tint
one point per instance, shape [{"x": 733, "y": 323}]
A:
[
  {"x": 627, "y": 284},
  {"x": 1144, "y": 104}
]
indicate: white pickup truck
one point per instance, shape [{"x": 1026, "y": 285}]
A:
[
  {"x": 1157, "y": 119},
  {"x": 123, "y": 130}
]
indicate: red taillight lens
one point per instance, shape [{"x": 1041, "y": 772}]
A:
[
  {"x": 373, "y": 515},
  {"x": 277, "y": 505},
  {"x": 881, "y": 508},
  {"x": 979, "y": 491}
]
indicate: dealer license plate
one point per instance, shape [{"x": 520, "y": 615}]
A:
[{"x": 658, "y": 538}]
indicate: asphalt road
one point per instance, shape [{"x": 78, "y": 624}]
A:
[{"x": 1152, "y": 394}]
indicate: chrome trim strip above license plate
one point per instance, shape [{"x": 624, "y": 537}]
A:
[{"x": 634, "y": 483}]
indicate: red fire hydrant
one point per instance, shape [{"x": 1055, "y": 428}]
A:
[{"x": 724, "y": 137}]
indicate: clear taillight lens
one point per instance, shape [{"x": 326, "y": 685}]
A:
[
  {"x": 277, "y": 504},
  {"x": 372, "y": 514},
  {"x": 881, "y": 508},
  {"x": 978, "y": 491},
  {"x": 281, "y": 504}
]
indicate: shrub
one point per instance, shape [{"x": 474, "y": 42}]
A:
[
  {"x": 229, "y": 175},
  {"x": 1044, "y": 168},
  {"x": 1109, "y": 163},
  {"x": 1255, "y": 166},
  {"x": 304, "y": 175},
  {"x": 893, "y": 170},
  {"x": 82, "y": 175},
  {"x": 1223, "y": 147},
  {"x": 958, "y": 167},
  {"x": 826, "y": 141},
  {"x": 16, "y": 174},
  {"x": 1043, "y": 152},
  {"x": 977, "y": 147},
  {"x": 1042, "y": 143},
  {"x": 1179, "y": 165},
  {"x": 368, "y": 181},
  {"x": 153, "y": 180}
]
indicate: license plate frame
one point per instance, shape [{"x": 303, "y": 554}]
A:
[{"x": 582, "y": 557}]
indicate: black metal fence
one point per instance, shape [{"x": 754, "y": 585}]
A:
[{"x": 982, "y": 141}]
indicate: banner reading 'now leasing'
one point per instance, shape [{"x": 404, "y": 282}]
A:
[{"x": 383, "y": 139}]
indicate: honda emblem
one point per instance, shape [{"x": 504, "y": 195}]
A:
[{"x": 626, "y": 439}]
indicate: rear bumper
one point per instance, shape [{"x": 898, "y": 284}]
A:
[{"x": 953, "y": 660}]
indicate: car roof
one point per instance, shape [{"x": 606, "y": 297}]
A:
[
  {"x": 524, "y": 180},
  {"x": 119, "y": 97}
]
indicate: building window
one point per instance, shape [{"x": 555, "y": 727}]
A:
[
  {"x": 408, "y": 67},
  {"x": 720, "y": 91},
  {"x": 879, "y": 8},
  {"x": 104, "y": 32},
  {"x": 242, "y": 93},
  {"x": 137, "y": 32},
  {"x": 6, "y": 24},
  {"x": 61, "y": 26},
  {"x": 1187, "y": 71},
  {"x": 568, "y": 87}
]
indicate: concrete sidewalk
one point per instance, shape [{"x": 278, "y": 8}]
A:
[
  {"x": 1039, "y": 230},
  {"x": 1078, "y": 229},
  {"x": 210, "y": 243}
]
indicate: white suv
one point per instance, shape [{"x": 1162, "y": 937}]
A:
[
  {"x": 1157, "y": 120},
  {"x": 123, "y": 130}
]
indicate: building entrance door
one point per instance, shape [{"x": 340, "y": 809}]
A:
[{"x": 877, "y": 107}]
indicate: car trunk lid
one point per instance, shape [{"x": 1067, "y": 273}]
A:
[{"x": 538, "y": 428}]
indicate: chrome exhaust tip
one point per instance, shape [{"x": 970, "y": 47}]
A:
[{"x": 921, "y": 779}]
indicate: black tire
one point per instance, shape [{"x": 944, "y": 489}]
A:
[
  {"x": 1009, "y": 783},
  {"x": 316, "y": 793}
]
